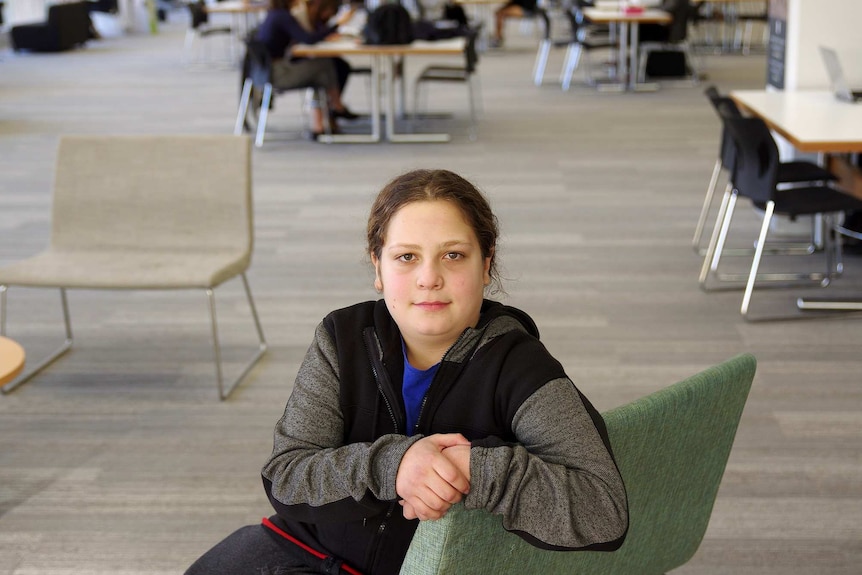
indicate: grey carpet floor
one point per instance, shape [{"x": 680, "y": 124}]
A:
[{"x": 120, "y": 459}]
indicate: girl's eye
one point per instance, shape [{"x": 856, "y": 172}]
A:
[
  {"x": 406, "y": 258},
  {"x": 454, "y": 256}
]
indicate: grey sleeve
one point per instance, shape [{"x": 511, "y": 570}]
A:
[
  {"x": 559, "y": 484},
  {"x": 309, "y": 464}
]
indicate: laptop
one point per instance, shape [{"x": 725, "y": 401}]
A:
[{"x": 836, "y": 77}]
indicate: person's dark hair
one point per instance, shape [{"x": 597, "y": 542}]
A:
[
  {"x": 280, "y": 4},
  {"x": 425, "y": 185},
  {"x": 318, "y": 8}
]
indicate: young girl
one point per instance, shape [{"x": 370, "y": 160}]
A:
[
  {"x": 307, "y": 23},
  {"x": 426, "y": 398}
]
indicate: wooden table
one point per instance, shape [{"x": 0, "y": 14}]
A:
[
  {"x": 12, "y": 359},
  {"x": 812, "y": 121},
  {"x": 382, "y": 62},
  {"x": 628, "y": 50},
  {"x": 239, "y": 10}
]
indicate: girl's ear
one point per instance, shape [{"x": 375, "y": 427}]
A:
[
  {"x": 486, "y": 268},
  {"x": 378, "y": 282}
]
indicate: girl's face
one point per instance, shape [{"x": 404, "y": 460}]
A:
[{"x": 432, "y": 274}]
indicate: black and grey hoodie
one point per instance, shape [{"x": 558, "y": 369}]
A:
[{"x": 540, "y": 455}]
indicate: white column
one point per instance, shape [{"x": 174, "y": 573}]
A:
[
  {"x": 833, "y": 23},
  {"x": 24, "y": 11}
]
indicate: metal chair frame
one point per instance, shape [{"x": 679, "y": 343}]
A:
[
  {"x": 257, "y": 75},
  {"x": 223, "y": 389}
]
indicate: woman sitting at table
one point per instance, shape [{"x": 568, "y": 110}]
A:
[{"x": 300, "y": 22}]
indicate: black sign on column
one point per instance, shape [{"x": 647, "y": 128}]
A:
[{"x": 777, "y": 43}]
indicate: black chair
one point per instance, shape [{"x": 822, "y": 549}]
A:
[
  {"x": 584, "y": 39},
  {"x": 788, "y": 172},
  {"x": 575, "y": 42},
  {"x": 755, "y": 176},
  {"x": 200, "y": 28},
  {"x": 66, "y": 26},
  {"x": 257, "y": 92},
  {"x": 465, "y": 74},
  {"x": 106, "y": 6},
  {"x": 673, "y": 39}
]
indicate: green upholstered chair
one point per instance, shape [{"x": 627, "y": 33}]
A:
[{"x": 671, "y": 447}]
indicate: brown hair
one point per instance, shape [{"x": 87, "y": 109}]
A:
[{"x": 427, "y": 185}]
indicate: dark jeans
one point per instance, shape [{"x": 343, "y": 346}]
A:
[
  {"x": 342, "y": 71},
  {"x": 255, "y": 550}
]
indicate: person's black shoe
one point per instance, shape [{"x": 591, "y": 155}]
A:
[{"x": 345, "y": 114}]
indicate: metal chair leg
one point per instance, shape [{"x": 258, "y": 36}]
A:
[
  {"x": 264, "y": 112},
  {"x": 67, "y": 344},
  {"x": 244, "y": 100},
  {"x": 541, "y": 62},
  {"x": 716, "y": 240},
  {"x": 262, "y": 345},
  {"x": 704, "y": 210},
  {"x": 758, "y": 254}
]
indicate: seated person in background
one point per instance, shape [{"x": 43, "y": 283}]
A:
[
  {"x": 281, "y": 29},
  {"x": 513, "y": 9},
  {"x": 430, "y": 396},
  {"x": 314, "y": 14}
]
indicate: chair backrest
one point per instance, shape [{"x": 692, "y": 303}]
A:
[
  {"x": 159, "y": 192},
  {"x": 724, "y": 107},
  {"x": 257, "y": 63},
  {"x": 678, "y": 30},
  {"x": 671, "y": 447},
  {"x": 755, "y": 169},
  {"x": 542, "y": 15},
  {"x": 199, "y": 14},
  {"x": 471, "y": 54}
]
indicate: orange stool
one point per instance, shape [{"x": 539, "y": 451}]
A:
[{"x": 11, "y": 360}]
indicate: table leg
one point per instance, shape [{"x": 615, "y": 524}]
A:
[
  {"x": 374, "y": 136},
  {"x": 391, "y": 134},
  {"x": 634, "y": 63},
  {"x": 622, "y": 63}
]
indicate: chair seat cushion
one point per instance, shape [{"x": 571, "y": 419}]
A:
[
  {"x": 125, "y": 269},
  {"x": 803, "y": 172},
  {"x": 813, "y": 200}
]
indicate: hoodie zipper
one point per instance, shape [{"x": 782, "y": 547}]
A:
[
  {"x": 381, "y": 377},
  {"x": 436, "y": 375}
]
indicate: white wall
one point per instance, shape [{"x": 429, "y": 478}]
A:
[
  {"x": 23, "y": 11},
  {"x": 833, "y": 23}
]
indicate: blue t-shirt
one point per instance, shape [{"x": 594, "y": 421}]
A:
[{"x": 413, "y": 388}]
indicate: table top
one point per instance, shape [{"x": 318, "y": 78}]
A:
[
  {"x": 236, "y": 7},
  {"x": 729, "y": 1},
  {"x": 811, "y": 120},
  {"x": 480, "y": 1},
  {"x": 11, "y": 359},
  {"x": 648, "y": 16},
  {"x": 450, "y": 46}
]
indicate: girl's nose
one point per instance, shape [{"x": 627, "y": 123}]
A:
[{"x": 429, "y": 276}]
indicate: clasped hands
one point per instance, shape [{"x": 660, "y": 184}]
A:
[{"x": 434, "y": 474}]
